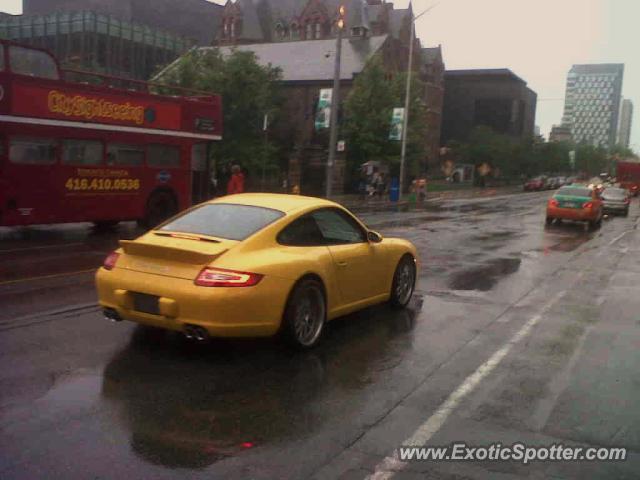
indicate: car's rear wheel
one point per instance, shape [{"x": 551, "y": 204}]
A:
[
  {"x": 305, "y": 314},
  {"x": 548, "y": 220},
  {"x": 404, "y": 282}
]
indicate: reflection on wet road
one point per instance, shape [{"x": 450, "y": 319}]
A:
[
  {"x": 78, "y": 394},
  {"x": 189, "y": 405}
]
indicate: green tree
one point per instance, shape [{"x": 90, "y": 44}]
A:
[
  {"x": 368, "y": 109},
  {"x": 248, "y": 91}
]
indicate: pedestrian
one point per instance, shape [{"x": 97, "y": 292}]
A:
[
  {"x": 381, "y": 185},
  {"x": 236, "y": 182},
  {"x": 373, "y": 183},
  {"x": 362, "y": 185}
]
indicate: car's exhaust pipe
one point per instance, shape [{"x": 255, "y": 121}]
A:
[
  {"x": 112, "y": 315},
  {"x": 194, "y": 332},
  {"x": 188, "y": 333}
]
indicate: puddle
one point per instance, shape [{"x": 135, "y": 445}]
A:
[
  {"x": 569, "y": 244},
  {"x": 499, "y": 235},
  {"x": 484, "y": 277}
]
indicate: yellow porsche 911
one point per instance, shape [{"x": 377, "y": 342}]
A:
[{"x": 255, "y": 265}]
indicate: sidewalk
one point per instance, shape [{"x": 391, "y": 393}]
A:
[{"x": 354, "y": 202}]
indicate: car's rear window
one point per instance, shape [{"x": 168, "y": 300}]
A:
[
  {"x": 224, "y": 220},
  {"x": 614, "y": 193},
  {"x": 575, "y": 191}
]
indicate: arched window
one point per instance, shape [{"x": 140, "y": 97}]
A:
[
  {"x": 294, "y": 31},
  {"x": 317, "y": 31},
  {"x": 281, "y": 31}
]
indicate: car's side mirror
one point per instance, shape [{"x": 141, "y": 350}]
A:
[{"x": 374, "y": 237}]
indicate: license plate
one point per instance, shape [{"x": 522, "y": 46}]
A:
[
  {"x": 570, "y": 205},
  {"x": 146, "y": 303}
]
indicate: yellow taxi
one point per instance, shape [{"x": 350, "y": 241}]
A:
[{"x": 255, "y": 265}]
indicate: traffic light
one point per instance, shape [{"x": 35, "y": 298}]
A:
[{"x": 341, "y": 14}]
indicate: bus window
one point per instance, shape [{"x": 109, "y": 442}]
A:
[
  {"x": 1, "y": 58},
  {"x": 163, "y": 156},
  {"x": 32, "y": 151},
  {"x": 199, "y": 157},
  {"x": 125, "y": 155},
  {"x": 81, "y": 152},
  {"x": 35, "y": 63}
]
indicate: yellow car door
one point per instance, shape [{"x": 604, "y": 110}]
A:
[{"x": 356, "y": 264}]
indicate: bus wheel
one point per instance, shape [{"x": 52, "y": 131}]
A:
[
  {"x": 161, "y": 205},
  {"x": 105, "y": 224}
]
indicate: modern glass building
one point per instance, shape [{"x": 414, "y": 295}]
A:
[
  {"x": 592, "y": 103},
  {"x": 101, "y": 43}
]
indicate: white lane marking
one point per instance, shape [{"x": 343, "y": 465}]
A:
[
  {"x": 636, "y": 225},
  {"x": 392, "y": 464},
  {"x": 618, "y": 237}
]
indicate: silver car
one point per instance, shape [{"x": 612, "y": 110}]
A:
[{"x": 615, "y": 201}]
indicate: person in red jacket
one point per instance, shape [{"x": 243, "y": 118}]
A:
[{"x": 236, "y": 182}]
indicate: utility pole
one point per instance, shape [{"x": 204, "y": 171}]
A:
[
  {"x": 405, "y": 126},
  {"x": 265, "y": 131},
  {"x": 335, "y": 102}
]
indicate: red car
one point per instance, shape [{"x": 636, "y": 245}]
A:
[
  {"x": 628, "y": 174},
  {"x": 534, "y": 184}
]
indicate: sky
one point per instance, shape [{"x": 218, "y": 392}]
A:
[{"x": 538, "y": 40}]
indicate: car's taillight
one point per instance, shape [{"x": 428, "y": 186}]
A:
[
  {"x": 587, "y": 205},
  {"x": 111, "y": 260},
  {"x": 220, "y": 277},
  {"x": 553, "y": 202}
]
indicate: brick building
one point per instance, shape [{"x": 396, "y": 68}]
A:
[{"x": 298, "y": 36}]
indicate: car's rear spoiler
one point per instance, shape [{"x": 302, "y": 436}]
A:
[{"x": 141, "y": 249}]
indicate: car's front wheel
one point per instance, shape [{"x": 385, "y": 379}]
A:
[
  {"x": 404, "y": 282},
  {"x": 305, "y": 314}
]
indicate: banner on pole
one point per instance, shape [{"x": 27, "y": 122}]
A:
[
  {"x": 323, "y": 114},
  {"x": 397, "y": 121}
]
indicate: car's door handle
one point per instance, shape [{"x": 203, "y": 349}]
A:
[{"x": 342, "y": 264}]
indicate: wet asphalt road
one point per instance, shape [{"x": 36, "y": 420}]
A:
[{"x": 83, "y": 398}]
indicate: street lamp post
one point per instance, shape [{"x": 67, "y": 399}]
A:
[
  {"x": 405, "y": 126},
  {"x": 335, "y": 102}
]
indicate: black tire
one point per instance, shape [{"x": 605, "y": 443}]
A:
[
  {"x": 404, "y": 282},
  {"x": 160, "y": 206},
  {"x": 305, "y": 314},
  {"x": 548, "y": 220}
]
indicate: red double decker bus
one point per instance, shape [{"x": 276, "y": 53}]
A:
[{"x": 76, "y": 152}]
